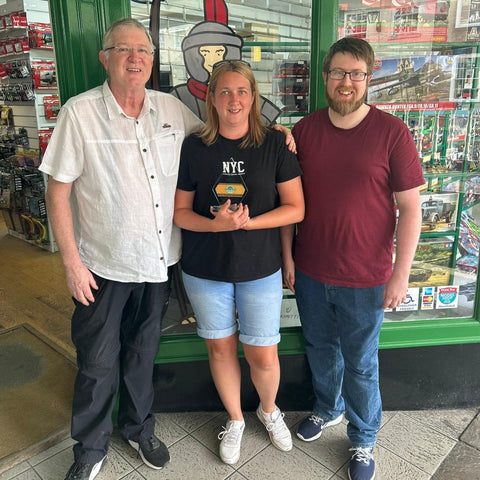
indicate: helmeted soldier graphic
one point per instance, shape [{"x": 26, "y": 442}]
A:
[{"x": 208, "y": 43}]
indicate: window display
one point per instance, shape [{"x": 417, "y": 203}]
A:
[
  {"x": 274, "y": 38},
  {"x": 427, "y": 74}
]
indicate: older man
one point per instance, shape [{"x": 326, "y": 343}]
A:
[{"x": 113, "y": 161}]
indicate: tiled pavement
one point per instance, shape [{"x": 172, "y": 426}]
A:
[
  {"x": 412, "y": 445},
  {"x": 419, "y": 445}
]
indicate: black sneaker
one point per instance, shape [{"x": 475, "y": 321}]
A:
[
  {"x": 85, "y": 471},
  {"x": 153, "y": 451}
]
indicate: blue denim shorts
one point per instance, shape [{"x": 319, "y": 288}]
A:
[{"x": 258, "y": 304}]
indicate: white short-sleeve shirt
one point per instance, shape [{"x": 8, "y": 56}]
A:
[{"x": 124, "y": 175}]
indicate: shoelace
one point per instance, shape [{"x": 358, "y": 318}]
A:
[
  {"x": 231, "y": 435},
  {"x": 150, "y": 444},
  {"x": 362, "y": 454},
  {"x": 275, "y": 425},
  {"x": 316, "y": 420}
]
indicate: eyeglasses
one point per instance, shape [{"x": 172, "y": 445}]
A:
[
  {"x": 340, "y": 75},
  {"x": 230, "y": 62},
  {"x": 126, "y": 50}
]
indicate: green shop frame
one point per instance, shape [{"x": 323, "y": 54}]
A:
[{"x": 446, "y": 128}]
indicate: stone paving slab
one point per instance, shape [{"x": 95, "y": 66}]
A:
[{"x": 472, "y": 434}]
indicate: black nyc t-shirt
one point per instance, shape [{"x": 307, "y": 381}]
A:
[{"x": 250, "y": 175}]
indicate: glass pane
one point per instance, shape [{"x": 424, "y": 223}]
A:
[
  {"x": 273, "y": 36},
  {"x": 426, "y": 74}
]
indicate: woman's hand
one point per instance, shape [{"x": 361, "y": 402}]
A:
[{"x": 228, "y": 219}]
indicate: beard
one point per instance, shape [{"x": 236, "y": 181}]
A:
[{"x": 345, "y": 107}]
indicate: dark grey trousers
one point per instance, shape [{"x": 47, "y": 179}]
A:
[{"x": 116, "y": 338}]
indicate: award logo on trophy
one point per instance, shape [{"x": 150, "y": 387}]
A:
[{"x": 229, "y": 186}]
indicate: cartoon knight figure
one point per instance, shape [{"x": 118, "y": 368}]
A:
[{"x": 208, "y": 43}]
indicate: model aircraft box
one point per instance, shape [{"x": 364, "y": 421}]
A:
[{"x": 412, "y": 79}]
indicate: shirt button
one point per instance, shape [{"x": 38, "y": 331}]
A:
[
  {"x": 152, "y": 176},
  {"x": 161, "y": 258},
  {"x": 159, "y": 231},
  {"x": 156, "y": 205},
  {"x": 144, "y": 149}
]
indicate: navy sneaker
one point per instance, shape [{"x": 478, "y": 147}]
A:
[
  {"x": 85, "y": 471},
  {"x": 153, "y": 451},
  {"x": 312, "y": 427},
  {"x": 362, "y": 466}
]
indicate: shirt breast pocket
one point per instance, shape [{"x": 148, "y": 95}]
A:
[{"x": 166, "y": 149}]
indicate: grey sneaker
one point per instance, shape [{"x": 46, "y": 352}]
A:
[
  {"x": 277, "y": 430},
  {"x": 231, "y": 441}
]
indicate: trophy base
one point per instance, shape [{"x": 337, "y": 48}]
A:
[{"x": 233, "y": 208}]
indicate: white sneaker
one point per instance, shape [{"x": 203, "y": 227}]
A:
[
  {"x": 231, "y": 440},
  {"x": 278, "y": 431}
]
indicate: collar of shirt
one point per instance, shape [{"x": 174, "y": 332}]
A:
[{"x": 114, "y": 109}]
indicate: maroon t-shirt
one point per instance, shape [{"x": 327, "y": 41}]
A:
[{"x": 349, "y": 177}]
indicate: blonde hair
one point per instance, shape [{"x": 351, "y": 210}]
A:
[{"x": 256, "y": 128}]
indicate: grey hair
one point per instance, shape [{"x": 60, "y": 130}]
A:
[{"x": 125, "y": 23}]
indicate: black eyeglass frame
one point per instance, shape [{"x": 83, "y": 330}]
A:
[{"x": 365, "y": 75}]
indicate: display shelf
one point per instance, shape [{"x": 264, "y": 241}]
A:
[
  {"x": 276, "y": 47},
  {"x": 21, "y": 236},
  {"x": 22, "y": 104},
  {"x": 282, "y": 72}
]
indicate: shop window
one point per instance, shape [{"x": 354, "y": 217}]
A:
[
  {"x": 426, "y": 73},
  {"x": 273, "y": 37}
]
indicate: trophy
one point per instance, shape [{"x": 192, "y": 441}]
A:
[{"x": 229, "y": 187}]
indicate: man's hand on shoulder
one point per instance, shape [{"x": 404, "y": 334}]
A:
[{"x": 289, "y": 140}]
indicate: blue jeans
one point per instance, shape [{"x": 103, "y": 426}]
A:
[{"x": 341, "y": 327}]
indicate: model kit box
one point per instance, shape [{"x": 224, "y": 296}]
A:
[
  {"x": 439, "y": 212},
  {"x": 413, "y": 79},
  {"x": 51, "y": 105},
  {"x": 402, "y": 21},
  {"x": 40, "y": 36},
  {"x": 44, "y": 74},
  {"x": 468, "y": 242},
  {"x": 432, "y": 264}
]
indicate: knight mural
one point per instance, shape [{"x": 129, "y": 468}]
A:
[{"x": 208, "y": 43}]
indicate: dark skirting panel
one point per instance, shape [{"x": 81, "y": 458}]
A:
[{"x": 410, "y": 379}]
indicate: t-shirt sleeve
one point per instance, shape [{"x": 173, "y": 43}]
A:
[
  {"x": 406, "y": 170},
  {"x": 185, "y": 181},
  {"x": 287, "y": 164}
]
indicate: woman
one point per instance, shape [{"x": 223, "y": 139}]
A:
[{"x": 237, "y": 184}]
